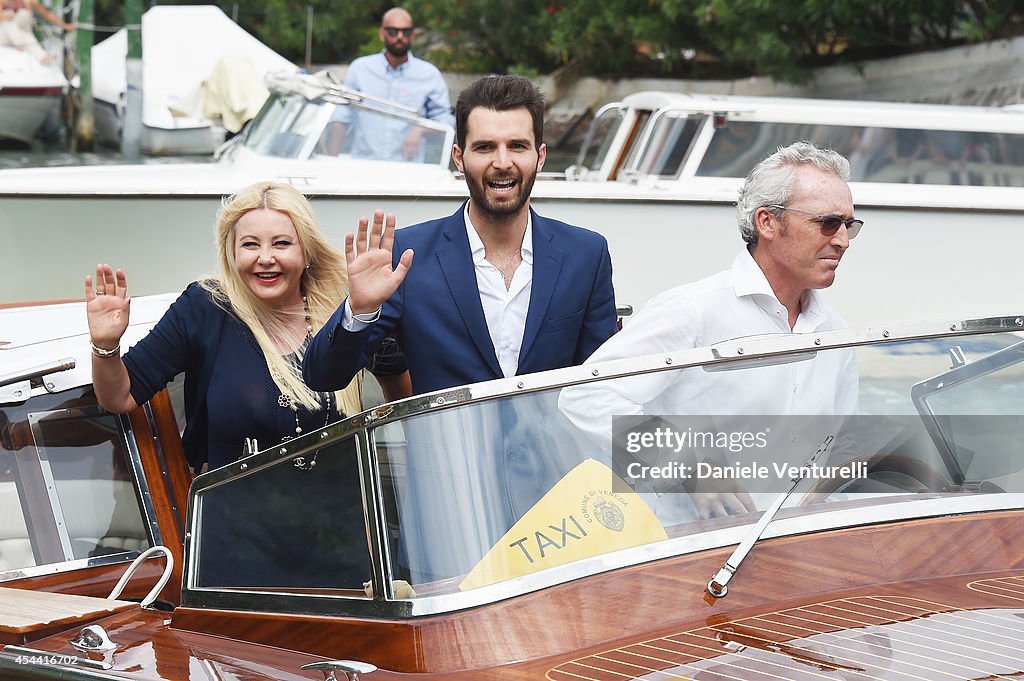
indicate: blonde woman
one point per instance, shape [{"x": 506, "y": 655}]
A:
[{"x": 239, "y": 336}]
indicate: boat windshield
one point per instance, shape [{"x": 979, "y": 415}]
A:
[
  {"x": 877, "y": 154},
  {"x": 293, "y": 125},
  {"x": 509, "y": 490}
]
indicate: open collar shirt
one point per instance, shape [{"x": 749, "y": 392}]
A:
[
  {"x": 735, "y": 303},
  {"x": 504, "y": 309}
]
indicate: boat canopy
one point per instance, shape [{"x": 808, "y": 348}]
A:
[{"x": 173, "y": 79}]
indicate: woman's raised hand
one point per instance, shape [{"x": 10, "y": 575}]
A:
[
  {"x": 371, "y": 278},
  {"x": 107, "y": 303}
]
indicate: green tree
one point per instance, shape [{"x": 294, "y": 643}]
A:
[{"x": 680, "y": 38}]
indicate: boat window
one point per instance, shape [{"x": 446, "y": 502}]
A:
[
  {"x": 668, "y": 146},
  {"x": 622, "y": 168},
  {"x": 599, "y": 138},
  {"x": 892, "y": 155},
  {"x": 283, "y": 126},
  {"x": 288, "y": 527},
  {"x": 373, "y": 131},
  {"x": 66, "y": 484}
]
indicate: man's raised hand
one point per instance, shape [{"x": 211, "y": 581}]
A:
[{"x": 368, "y": 253}]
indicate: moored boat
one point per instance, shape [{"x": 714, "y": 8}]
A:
[
  {"x": 30, "y": 93},
  {"x": 658, "y": 178},
  {"x": 190, "y": 98}
]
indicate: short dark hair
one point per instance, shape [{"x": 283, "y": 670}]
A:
[{"x": 500, "y": 93}]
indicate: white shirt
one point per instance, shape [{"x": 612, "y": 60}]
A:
[
  {"x": 731, "y": 304},
  {"x": 504, "y": 309}
]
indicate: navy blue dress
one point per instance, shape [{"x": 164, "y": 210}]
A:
[
  {"x": 273, "y": 521},
  {"x": 229, "y": 394}
]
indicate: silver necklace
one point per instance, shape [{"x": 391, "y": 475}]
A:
[
  {"x": 287, "y": 402},
  {"x": 503, "y": 268}
]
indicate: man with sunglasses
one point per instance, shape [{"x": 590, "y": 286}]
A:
[
  {"x": 396, "y": 75},
  {"x": 795, "y": 215}
]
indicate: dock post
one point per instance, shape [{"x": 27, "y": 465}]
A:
[
  {"x": 81, "y": 140},
  {"x": 131, "y": 131}
]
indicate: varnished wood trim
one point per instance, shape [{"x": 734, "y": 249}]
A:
[{"x": 168, "y": 491}]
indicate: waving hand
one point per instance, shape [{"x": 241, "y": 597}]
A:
[
  {"x": 371, "y": 278},
  {"x": 107, "y": 306}
]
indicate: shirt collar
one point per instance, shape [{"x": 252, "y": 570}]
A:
[
  {"x": 476, "y": 245},
  {"x": 749, "y": 280},
  {"x": 401, "y": 67}
]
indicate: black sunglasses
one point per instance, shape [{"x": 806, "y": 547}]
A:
[
  {"x": 830, "y": 224},
  {"x": 392, "y": 31}
]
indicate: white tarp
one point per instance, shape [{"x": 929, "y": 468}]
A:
[{"x": 181, "y": 44}]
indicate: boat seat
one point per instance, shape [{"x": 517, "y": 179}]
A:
[
  {"x": 102, "y": 517},
  {"x": 15, "y": 547}
]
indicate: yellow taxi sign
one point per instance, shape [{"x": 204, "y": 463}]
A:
[{"x": 581, "y": 516}]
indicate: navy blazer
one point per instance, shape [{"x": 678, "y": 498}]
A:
[{"x": 438, "y": 319}]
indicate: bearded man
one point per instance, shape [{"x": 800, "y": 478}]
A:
[
  {"x": 497, "y": 290},
  {"x": 396, "y": 75}
]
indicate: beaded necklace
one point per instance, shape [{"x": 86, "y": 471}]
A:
[{"x": 287, "y": 402}]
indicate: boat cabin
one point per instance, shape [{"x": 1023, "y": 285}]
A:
[{"x": 668, "y": 139}]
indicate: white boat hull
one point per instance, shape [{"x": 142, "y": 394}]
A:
[
  {"x": 184, "y": 141},
  {"x": 29, "y": 92},
  {"x": 908, "y": 262},
  {"x": 24, "y": 110}
]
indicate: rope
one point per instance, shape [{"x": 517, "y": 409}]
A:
[{"x": 108, "y": 29}]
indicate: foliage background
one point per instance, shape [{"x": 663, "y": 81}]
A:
[{"x": 612, "y": 38}]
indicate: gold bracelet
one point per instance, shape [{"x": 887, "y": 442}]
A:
[{"x": 104, "y": 354}]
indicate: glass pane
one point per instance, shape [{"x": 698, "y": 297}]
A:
[
  {"x": 282, "y": 126},
  {"x": 376, "y": 133},
  {"x": 602, "y": 132},
  {"x": 66, "y": 488},
  {"x": 975, "y": 412},
  {"x": 669, "y": 144},
  {"x": 288, "y": 528},
  {"x": 736, "y": 148},
  {"x": 905, "y": 156}
]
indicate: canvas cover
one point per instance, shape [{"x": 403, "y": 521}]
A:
[{"x": 181, "y": 45}]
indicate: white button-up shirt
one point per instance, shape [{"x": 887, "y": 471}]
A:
[
  {"x": 731, "y": 304},
  {"x": 504, "y": 309},
  {"x": 734, "y": 303}
]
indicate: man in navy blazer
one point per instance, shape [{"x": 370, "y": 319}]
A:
[{"x": 496, "y": 290}]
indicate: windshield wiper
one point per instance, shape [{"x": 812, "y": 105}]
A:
[{"x": 718, "y": 585}]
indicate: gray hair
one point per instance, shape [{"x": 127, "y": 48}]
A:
[{"x": 773, "y": 179}]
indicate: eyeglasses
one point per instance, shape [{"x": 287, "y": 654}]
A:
[
  {"x": 830, "y": 224},
  {"x": 392, "y": 31}
]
